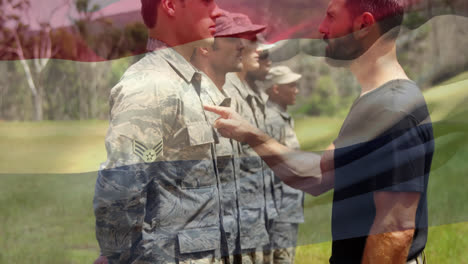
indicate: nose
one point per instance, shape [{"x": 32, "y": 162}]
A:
[
  {"x": 323, "y": 28},
  {"x": 217, "y": 12},
  {"x": 240, "y": 44}
]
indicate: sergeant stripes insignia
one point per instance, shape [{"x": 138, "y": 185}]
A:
[{"x": 147, "y": 154}]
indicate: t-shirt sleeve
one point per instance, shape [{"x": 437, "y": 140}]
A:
[{"x": 403, "y": 159}]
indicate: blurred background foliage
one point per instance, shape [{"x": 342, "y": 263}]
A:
[{"x": 46, "y": 87}]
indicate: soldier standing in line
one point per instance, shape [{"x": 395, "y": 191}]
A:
[
  {"x": 281, "y": 84},
  {"x": 257, "y": 203},
  {"x": 157, "y": 197},
  {"x": 225, "y": 55}
]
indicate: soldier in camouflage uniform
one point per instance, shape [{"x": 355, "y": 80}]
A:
[
  {"x": 281, "y": 84},
  {"x": 256, "y": 202},
  {"x": 226, "y": 56},
  {"x": 158, "y": 195},
  {"x": 216, "y": 61}
]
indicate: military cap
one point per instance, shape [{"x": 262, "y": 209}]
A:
[
  {"x": 282, "y": 75},
  {"x": 230, "y": 24}
]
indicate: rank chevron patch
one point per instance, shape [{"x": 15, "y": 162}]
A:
[{"x": 147, "y": 154}]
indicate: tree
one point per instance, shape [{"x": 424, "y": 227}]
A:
[{"x": 19, "y": 42}]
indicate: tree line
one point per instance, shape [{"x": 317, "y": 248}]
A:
[{"x": 66, "y": 73}]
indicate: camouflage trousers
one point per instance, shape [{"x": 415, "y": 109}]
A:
[
  {"x": 279, "y": 256},
  {"x": 283, "y": 238},
  {"x": 245, "y": 258},
  {"x": 276, "y": 256},
  {"x": 224, "y": 260},
  {"x": 201, "y": 261},
  {"x": 254, "y": 257}
]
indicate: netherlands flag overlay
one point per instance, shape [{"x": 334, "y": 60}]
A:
[{"x": 107, "y": 150}]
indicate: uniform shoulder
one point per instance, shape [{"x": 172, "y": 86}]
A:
[
  {"x": 151, "y": 76},
  {"x": 271, "y": 110}
]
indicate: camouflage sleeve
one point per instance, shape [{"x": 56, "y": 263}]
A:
[
  {"x": 275, "y": 126},
  {"x": 133, "y": 142}
]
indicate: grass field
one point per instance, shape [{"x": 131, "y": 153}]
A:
[{"x": 47, "y": 175}]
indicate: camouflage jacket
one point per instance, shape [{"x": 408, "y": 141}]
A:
[
  {"x": 290, "y": 201},
  {"x": 157, "y": 197},
  {"x": 252, "y": 200},
  {"x": 227, "y": 165}
]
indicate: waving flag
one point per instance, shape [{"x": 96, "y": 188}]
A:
[
  {"x": 60, "y": 58},
  {"x": 297, "y": 19}
]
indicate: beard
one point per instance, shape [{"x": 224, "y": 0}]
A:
[{"x": 341, "y": 52}]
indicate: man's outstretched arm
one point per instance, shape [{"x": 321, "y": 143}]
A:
[{"x": 306, "y": 171}]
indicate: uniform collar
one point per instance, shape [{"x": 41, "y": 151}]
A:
[
  {"x": 276, "y": 107},
  {"x": 262, "y": 96},
  {"x": 155, "y": 44},
  {"x": 177, "y": 62},
  {"x": 216, "y": 96},
  {"x": 259, "y": 91},
  {"x": 233, "y": 79}
]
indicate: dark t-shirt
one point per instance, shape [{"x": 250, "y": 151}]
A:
[{"x": 385, "y": 144}]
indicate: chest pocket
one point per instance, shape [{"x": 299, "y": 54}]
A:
[{"x": 196, "y": 168}]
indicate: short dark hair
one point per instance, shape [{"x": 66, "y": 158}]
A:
[
  {"x": 387, "y": 13},
  {"x": 149, "y": 12}
]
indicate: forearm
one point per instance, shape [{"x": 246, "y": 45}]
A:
[
  {"x": 391, "y": 248},
  {"x": 392, "y": 232},
  {"x": 300, "y": 170}
]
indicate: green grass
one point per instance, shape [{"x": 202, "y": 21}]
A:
[
  {"x": 52, "y": 147},
  {"x": 47, "y": 218},
  {"x": 46, "y": 211},
  {"x": 46, "y": 200}
]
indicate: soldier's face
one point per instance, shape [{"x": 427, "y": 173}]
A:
[
  {"x": 250, "y": 55},
  {"x": 226, "y": 54},
  {"x": 337, "y": 31},
  {"x": 288, "y": 93},
  {"x": 197, "y": 19},
  {"x": 265, "y": 65}
]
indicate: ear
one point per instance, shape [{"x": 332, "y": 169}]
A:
[
  {"x": 203, "y": 51},
  {"x": 169, "y": 7},
  {"x": 275, "y": 89},
  {"x": 363, "y": 25}
]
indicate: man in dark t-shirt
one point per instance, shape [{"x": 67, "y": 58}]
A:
[
  {"x": 385, "y": 145},
  {"x": 379, "y": 164}
]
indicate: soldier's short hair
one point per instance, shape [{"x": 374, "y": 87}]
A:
[
  {"x": 149, "y": 12},
  {"x": 387, "y": 13}
]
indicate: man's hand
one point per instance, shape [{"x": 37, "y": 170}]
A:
[
  {"x": 101, "y": 260},
  {"x": 231, "y": 125},
  {"x": 298, "y": 169}
]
